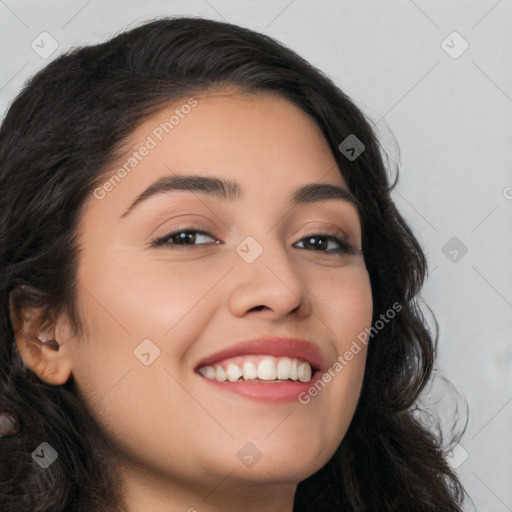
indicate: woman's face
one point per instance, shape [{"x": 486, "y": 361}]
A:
[{"x": 155, "y": 313}]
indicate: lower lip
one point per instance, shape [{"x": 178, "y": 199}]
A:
[{"x": 274, "y": 392}]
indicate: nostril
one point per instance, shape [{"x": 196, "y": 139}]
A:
[{"x": 257, "y": 308}]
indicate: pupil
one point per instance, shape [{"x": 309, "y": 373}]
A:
[
  {"x": 186, "y": 236},
  {"x": 321, "y": 242}
]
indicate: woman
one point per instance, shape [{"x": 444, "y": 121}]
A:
[{"x": 210, "y": 300}]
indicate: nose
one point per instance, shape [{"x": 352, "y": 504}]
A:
[{"x": 270, "y": 284}]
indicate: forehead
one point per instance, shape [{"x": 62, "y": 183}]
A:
[
  {"x": 262, "y": 141},
  {"x": 230, "y": 126}
]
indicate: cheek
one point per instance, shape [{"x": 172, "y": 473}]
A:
[
  {"x": 348, "y": 313},
  {"x": 345, "y": 304},
  {"x": 132, "y": 308},
  {"x": 142, "y": 299}
]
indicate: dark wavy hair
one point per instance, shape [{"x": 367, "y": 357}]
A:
[{"x": 60, "y": 135}]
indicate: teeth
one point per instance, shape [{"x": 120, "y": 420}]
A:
[
  {"x": 304, "y": 372},
  {"x": 250, "y": 371},
  {"x": 284, "y": 368},
  {"x": 268, "y": 369},
  {"x": 220, "y": 374},
  {"x": 293, "y": 370},
  {"x": 233, "y": 373}
]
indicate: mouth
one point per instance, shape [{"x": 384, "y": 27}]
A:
[
  {"x": 270, "y": 369},
  {"x": 259, "y": 368}
]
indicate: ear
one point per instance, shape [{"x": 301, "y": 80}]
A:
[{"x": 39, "y": 347}]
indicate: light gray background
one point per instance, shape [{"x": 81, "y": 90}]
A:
[{"x": 452, "y": 118}]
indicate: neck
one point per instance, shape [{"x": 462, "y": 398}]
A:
[{"x": 147, "y": 492}]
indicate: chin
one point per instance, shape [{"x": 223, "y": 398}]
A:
[{"x": 283, "y": 468}]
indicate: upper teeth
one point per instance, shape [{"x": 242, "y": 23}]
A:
[{"x": 259, "y": 367}]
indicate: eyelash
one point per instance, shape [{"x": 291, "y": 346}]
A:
[{"x": 344, "y": 247}]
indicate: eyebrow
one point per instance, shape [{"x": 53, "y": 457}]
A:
[{"x": 228, "y": 190}]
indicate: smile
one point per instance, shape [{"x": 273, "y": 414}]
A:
[{"x": 259, "y": 368}]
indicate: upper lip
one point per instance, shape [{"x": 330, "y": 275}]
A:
[{"x": 272, "y": 346}]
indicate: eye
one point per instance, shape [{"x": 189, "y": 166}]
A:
[
  {"x": 318, "y": 242},
  {"x": 328, "y": 243},
  {"x": 184, "y": 237}
]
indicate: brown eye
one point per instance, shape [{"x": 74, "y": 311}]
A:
[
  {"x": 325, "y": 242},
  {"x": 183, "y": 238}
]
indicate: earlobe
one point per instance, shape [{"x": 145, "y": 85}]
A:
[
  {"x": 44, "y": 356},
  {"x": 38, "y": 348}
]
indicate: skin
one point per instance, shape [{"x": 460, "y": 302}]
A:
[{"x": 178, "y": 436}]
